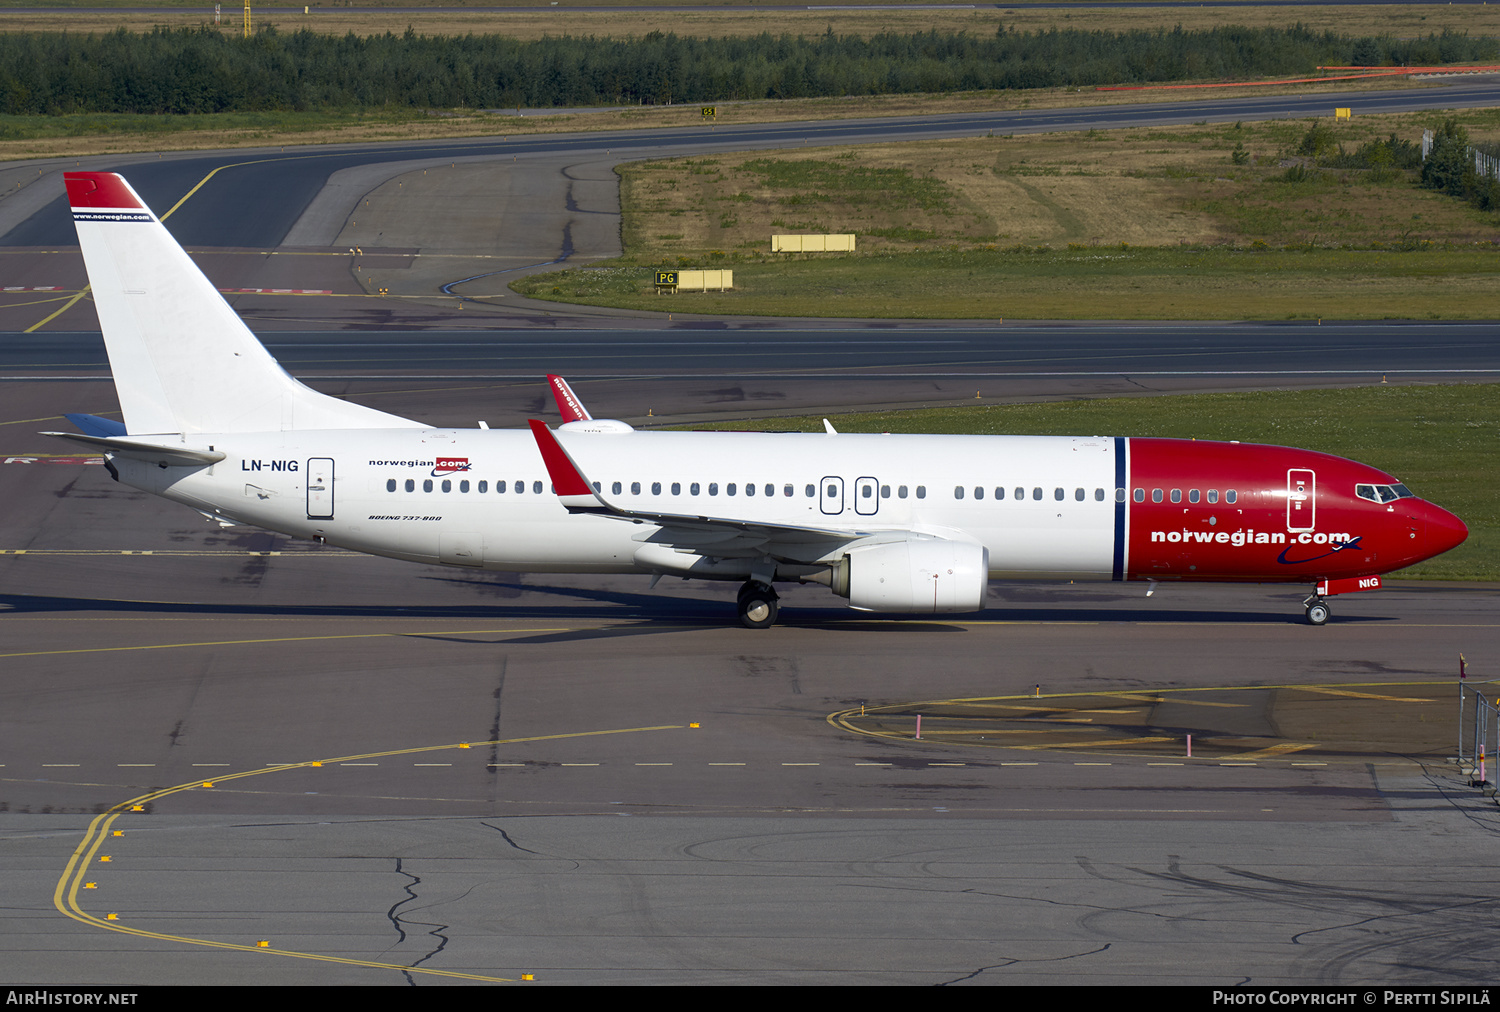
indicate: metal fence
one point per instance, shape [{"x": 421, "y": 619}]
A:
[
  {"x": 1484, "y": 165},
  {"x": 1478, "y": 730}
]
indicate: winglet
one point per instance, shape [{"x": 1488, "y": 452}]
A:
[
  {"x": 573, "y": 489},
  {"x": 567, "y": 401}
]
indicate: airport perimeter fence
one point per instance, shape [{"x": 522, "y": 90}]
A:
[
  {"x": 1485, "y": 166},
  {"x": 1478, "y": 729}
]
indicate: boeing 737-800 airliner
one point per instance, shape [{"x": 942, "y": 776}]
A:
[{"x": 893, "y": 523}]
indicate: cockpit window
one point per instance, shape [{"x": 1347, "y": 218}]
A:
[{"x": 1383, "y": 493}]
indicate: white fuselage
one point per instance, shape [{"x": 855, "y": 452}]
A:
[{"x": 434, "y": 495}]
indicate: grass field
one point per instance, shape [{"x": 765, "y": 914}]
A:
[
  {"x": 1442, "y": 441},
  {"x": 102, "y": 133},
  {"x": 1155, "y": 223}
]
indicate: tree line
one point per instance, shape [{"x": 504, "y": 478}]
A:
[{"x": 167, "y": 71}]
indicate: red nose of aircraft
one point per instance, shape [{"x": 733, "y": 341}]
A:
[{"x": 1438, "y": 530}]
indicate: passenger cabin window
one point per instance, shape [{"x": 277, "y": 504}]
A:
[
  {"x": 1177, "y": 495},
  {"x": 999, "y": 492},
  {"x": 1156, "y": 495},
  {"x": 390, "y": 485},
  {"x": 1192, "y": 495},
  {"x": 921, "y": 491},
  {"x": 958, "y": 491},
  {"x": 1213, "y": 495},
  {"x": 1229, "y": 496},
  {"x": 1036, "y": 494},
  {"x": 901, "y": 492},
  {"x": 536, "y": 487}
]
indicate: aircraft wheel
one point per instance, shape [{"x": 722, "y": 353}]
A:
[
  {"x": 758, "y": 607},
  {"x": 1317, "y": 613}
]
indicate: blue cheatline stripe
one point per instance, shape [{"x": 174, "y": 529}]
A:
[{"x": 1120, "y": 507}]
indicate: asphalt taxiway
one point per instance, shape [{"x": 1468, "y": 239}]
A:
[{"x": 398, "y": 775}]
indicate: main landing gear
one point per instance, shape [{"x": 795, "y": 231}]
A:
[
  {"x": 758, "y": 605},
  {"x": 1317, "y": 610}
]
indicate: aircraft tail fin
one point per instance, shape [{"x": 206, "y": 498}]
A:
[{"x": 183, "y": 361}]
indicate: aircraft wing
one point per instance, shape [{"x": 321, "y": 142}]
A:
[{"x": 579, "y": 496}]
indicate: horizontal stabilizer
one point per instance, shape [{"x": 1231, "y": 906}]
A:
[
  {"x": 96, "y": 426},
  {"x": 151, "y": 453}
]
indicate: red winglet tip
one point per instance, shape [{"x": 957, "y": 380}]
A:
[
  {"x": 565, "y": 476},
  {"x": 568, "y": 404}
]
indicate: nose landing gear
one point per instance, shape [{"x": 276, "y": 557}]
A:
[
  {"x": 758, "y": 605},
  {"x": 1317, "y": 610}
]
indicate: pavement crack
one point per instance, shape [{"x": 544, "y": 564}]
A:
[
  {"x": 1017, "y": 961},
  {"x": 398, "y": 919},
  {"x": 506, "y": 837}
]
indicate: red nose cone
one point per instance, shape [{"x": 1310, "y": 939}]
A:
[{"x": 1444, "y": 530}]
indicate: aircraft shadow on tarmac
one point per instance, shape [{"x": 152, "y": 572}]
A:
[{"x": 659, "y": 613}]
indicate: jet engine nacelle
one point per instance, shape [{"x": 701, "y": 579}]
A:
[{"x": 925, "y": 575}]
